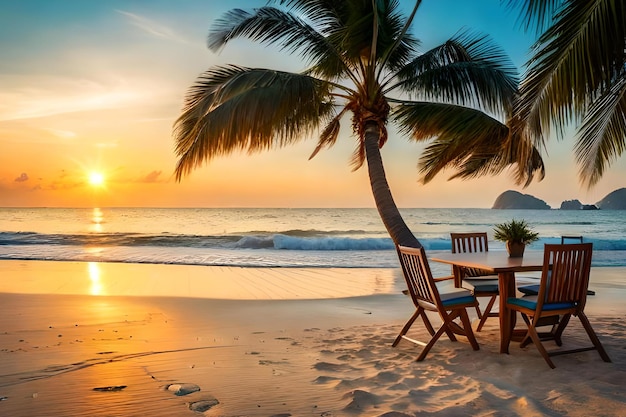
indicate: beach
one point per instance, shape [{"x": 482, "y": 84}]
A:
[{"x": 173, "y": 340}]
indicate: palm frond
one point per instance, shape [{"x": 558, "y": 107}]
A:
[
  {"x": 270, "y": 26},
  {"x": 576, "y": 59},
  {"x": 348, "y": 26},
  {"x": 602, "y": 137},
  {"x": 395, "y": 44},
  {"x": 323, "y": 12},
  {"x": 358, "y": 156},
  {"x": 265, "y": 25},
  {"x": 464, "y": 139},
  {"x": 467, "y": 70},
  {"x": 329, "y": 135},
  {"x": 522, "y": 152},
  {"x": 537, "y": 12},
  {"x": 236, "y": 108}
]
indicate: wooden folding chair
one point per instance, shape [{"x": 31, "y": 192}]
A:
[
  {"x": 533, "y": 289},
  {"x": 562, "y": 292},
  {"x": 481, "y": 283},
  {"x": 426, "y": 297}
]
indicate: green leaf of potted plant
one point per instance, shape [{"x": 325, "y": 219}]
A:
[{"x": 516, "y": 234}]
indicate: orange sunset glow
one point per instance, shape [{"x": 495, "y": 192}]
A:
[{"x": 109, "y": 82}]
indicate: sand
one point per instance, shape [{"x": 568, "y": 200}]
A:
[{"x": 164, "y": 340}]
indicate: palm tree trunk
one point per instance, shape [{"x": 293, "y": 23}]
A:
[{"x": 387, "y": 209}]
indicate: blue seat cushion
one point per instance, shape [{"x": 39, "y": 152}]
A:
[
  {"x": 532, "y": 289},
  {"x": 462, "y": 300},
  {"x": 456, "y": 296},
  {"x": 530, "y": 302},
  {"x": 481, "y": 285}
]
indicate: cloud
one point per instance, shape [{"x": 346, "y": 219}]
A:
[
  {"x": 63, "y": 134},
  {"x": 22, "y": 178},
  {"x": 28, "y": 98},
  {"x": 151, "y": 177},
  {"x": 151, "y": 27}
]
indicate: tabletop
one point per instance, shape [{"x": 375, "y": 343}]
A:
[{"x": 494, "y": 261}]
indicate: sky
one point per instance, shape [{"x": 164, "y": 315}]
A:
[{"x": 94, "y": 87}]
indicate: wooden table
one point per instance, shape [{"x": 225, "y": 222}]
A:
[{"x": 497, "y": 262}]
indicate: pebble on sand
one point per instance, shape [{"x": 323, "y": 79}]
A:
[
  {"x": 203, "y": 405},
  {"x": 182, "y": 389}
]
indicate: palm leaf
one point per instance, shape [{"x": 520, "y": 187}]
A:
[
  {"x": 395, "y": 45},
  {"x": 467, "y": 70},
  {"x": 602, "y": 137},
  {"x": 236, "y": 108},
  {"x": 573, "y": 61},
  {"x": 273, "y": 26},
  {"x": 329, "y": 135},
  {"x": 464, "y": 139},
  {"x": 348, "y": 25},
  {"x": 539, "y": 12}
]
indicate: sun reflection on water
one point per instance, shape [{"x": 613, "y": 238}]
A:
[
  {"x": 94, "y": 277},
  {"x": 97, "y": 218}
]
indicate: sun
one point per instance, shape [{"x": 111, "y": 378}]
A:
[{"x": 96, "y": 179}]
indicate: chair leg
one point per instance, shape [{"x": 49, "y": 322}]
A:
[
  {"x": 527, "y": 339},
  {"x": 407, "y": 326},
  {"x": 429, "y": 326},
  {"x": 558, "y": 324},
  {"x": 486, "y": 313},
  {"x": 478, "y": 312},
  {"x": 535, "y": 337},
  {"x": 467, "y": 326},
  {"x": 452, "y": 328},
  {"x": 431, "y": 343},
  {"x": 594, "y": 338},
  {"x": 446, "y": 327},
  {"x": 558, "y": 330}
]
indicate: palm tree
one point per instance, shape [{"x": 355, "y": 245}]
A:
[
  {"x": 577, "y": 74},
  {"x": 359, "y": 53}
]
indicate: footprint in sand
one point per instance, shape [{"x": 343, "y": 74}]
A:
[
  {"x": 199, "y": 406},
  {"x": 182, "y": 389},
  {"x": 203, "y": 405}
]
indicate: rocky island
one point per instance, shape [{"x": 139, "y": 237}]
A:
[
  {"x": 516, "y": 200},
  {"x": 510, "y": 199},
  {"x": 614, "y": 201},
  {"x": 577, "y": 205}
]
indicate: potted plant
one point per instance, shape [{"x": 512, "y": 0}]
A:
[{"x": 516, "y": 234}]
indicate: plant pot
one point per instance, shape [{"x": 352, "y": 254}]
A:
[{"x": 515, "y": 249}]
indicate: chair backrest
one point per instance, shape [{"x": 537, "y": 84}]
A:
[
  {"x": 565, "y": 274},
  {"x": 469, "y": 242},
  {"x": 419, "y": 278},
  {"x": 578, "y": 239}
]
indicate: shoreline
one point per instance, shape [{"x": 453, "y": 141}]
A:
[
  {"x": 179, "y": 354},
  {"x": 195, "y": 281},
  {"x": 221, "y": 282}
]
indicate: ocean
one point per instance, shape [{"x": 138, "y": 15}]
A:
[{"x": 246, "y": 237}]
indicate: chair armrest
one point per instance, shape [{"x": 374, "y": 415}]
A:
[{"x": 439, "y": 279}]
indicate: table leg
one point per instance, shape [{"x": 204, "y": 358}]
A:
[
  {"x": 458, "y": 276},
  {"x": 506, "y": 281}
]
